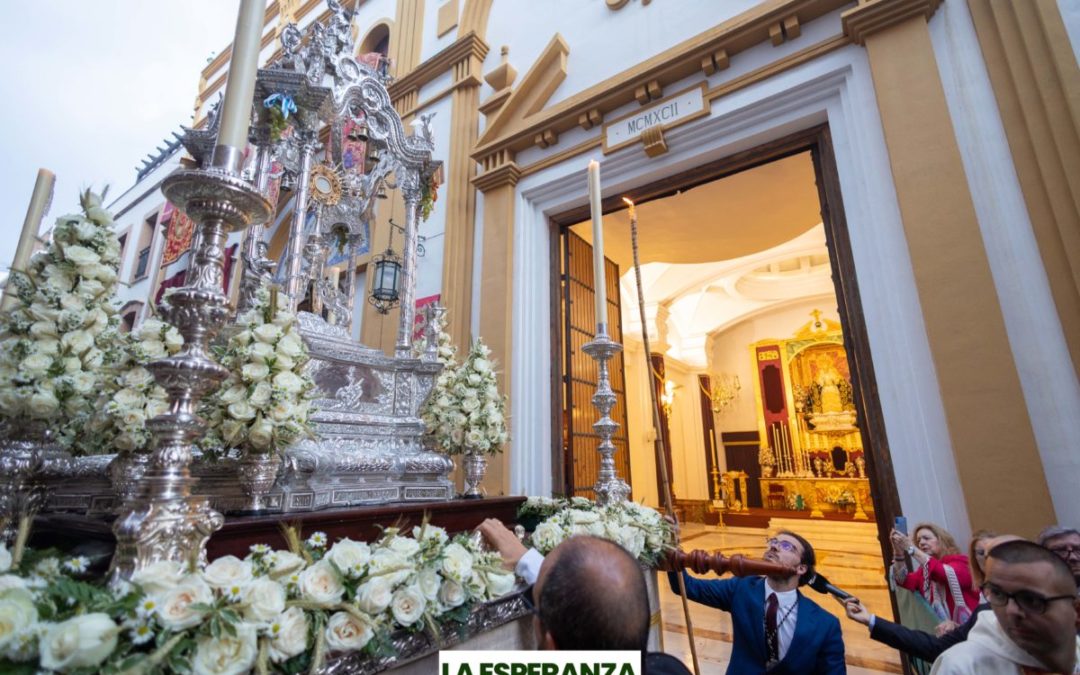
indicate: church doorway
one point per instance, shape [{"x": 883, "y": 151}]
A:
[{"x": 759, "y": 351}]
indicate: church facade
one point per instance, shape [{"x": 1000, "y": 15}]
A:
[{"x": 940, "y": 139}]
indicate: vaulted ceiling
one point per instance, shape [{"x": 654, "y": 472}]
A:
[{"x": 716, "y": 254}]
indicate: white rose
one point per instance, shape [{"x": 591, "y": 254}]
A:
[
  {"x": 404, "y": 546},
  {"x": 408, "y": 605},
  {"x": 282, "y": 411},
  {"x": 429, "y": 582},
  {"x": 151, "y": 329},
  {"x": 289, "y": 635},
  {"x": 255, "y": 372},
  {"x": 43, "y": 329},
  {"x": 85, "y": 230},
  {"x": 83, "y": 383},
  {"x": 457, "y": 562},
  {"x": 153, "y": 349},
  {"x": 78, "y": 341},
  {"x": 47, "y": 346},
  {"x": 451, "y": 594},
  {"x": 226, "y": 655},
  {"x": 374, "y": 595},
  {"x": 228, "y": 571},
  {"x": 260, "y": 395},
  {"x": 291, "y": 345},
  {"x": 285, "y": 562},
  {"x": 346, "y": 633},
  {"x": 231, "y": 430},
  {"x": 547, "y": 536},
  {"x": 474, "y": 437},
  {"x": 499, "y": 583},
  {"x": 284, "y": 319},
  {"x": 138, "y": 377},
  {"x": 88, "y": 288},
  {"x": 36, "y": 365},
  {"x": 320, "y": 583},
  {"x": 482, "y": 366},
  {"x": 128, "y": 398},
  {"x": 80, "y": 255},
  {"x": 104, "y": 273},
  {"x": 283, "y": 362},
  {"x": 132, "y": 419},
  {"x": 241, "y": 410},
  {"x": 261, "y": 352},
  {"x": 80, "y": 642},
  {"x": 288, "y": 382},
  {"x": 173, "y": 340},
  {"x": 174, "y": 604},
  {"x": 429, "y": 532},
  {"x": 43, "y": 312},
  {"x": 351, "y": 557},
  {"x": 233, "y": 394},
  {"x": 17, "y": 614},
  {"x": 158, "y": 577},
  {"x": 98, "y": 215},
  {"x": 264, "y": 600},
  {"x": 43, "y": 404},
  {"x": 267, "y": 333},
  {"x": 261, "y": 434}
]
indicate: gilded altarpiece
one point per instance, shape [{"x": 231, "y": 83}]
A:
[{"x": 812, "y": 452}]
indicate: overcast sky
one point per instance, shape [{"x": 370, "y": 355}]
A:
[{"x": 89, "y": 88}]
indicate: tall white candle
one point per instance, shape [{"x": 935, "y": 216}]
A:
[
  {"x": 39, "y": 202},
  {"x": 243, "y": 64},
  {"x": 599, "y": 278}
]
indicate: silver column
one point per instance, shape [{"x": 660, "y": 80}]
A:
[
  {"x": 408, "y": 271},
  {"x": 294, "y": 283}
]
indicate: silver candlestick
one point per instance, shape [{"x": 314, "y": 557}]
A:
[
  {"x": 164, "y": 521},
  {"x": 609, "y": 487}
]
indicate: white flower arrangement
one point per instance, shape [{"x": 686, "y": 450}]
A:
[
  {"x": 641, "y": 530},
  {"x": 264, "y": 404},
  {"x": 131, "y": 396},
  {"x": 55, "y": 343},
  {"x": 465, "y": 412},
  {"x": 274, "y": 611}
]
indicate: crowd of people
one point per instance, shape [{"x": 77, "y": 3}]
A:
[{"x": 1010, "y": 606}]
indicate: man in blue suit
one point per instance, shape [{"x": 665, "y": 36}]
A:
[{"x": 777, "y": 630}]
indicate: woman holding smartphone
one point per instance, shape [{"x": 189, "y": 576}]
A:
[{"x": 939, "y": 572}]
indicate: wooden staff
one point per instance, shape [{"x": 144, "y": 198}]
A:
[
  {"x": 658, "y": 442},
  {"x": 738, "y": 565}
]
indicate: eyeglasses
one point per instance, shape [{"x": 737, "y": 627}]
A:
[
  {"x": 1066, "y": 552},
  {"x": 1029, "y": 601},
  {"x": 782, "y": 544}
]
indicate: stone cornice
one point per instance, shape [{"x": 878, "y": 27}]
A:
[
  {"x": 733, "y": 36},
  {"x": 463, "y": 48},
  {"x": 504, "y": 174},
  {"x": 875, "y": 15}
]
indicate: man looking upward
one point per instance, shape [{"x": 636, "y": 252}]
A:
[{"x": 777, "y": 630}]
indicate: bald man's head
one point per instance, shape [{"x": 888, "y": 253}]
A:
[{"x": 591, "y": 595}]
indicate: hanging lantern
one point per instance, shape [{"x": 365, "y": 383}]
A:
[{"x": 386, "y": 285}]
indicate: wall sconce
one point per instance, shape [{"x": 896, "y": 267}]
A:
[
  {"x": 723, "y": 391},
  {"x": 668, "y": 396}
]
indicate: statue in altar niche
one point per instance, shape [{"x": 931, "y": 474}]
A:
[{"x": 825, "y": 400}]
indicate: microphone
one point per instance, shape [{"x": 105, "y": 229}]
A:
[{"x": 820, "y": 584}]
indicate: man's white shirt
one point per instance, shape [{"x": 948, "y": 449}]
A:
[{"x": 787, "y": 601}]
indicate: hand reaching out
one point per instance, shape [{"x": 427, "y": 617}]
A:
[
  {"x": 504, "y": 541},
  {"x": 855, "y": 610}
]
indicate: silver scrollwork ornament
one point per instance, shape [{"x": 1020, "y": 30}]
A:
[{"x": 28, "y": 453}]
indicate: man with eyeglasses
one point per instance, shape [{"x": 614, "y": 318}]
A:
[
  {"x": 1032, "y": 628},
  {"x": 1065, "y": 543},
  {"x": 776, "y": 629}
]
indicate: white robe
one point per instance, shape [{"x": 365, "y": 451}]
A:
[{"x": 988, "y": 651}]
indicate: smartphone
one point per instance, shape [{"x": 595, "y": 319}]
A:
[{"x": 900, "y": 524}]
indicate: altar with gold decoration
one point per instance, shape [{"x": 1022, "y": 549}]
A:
[{"x": 811, "y": 452}]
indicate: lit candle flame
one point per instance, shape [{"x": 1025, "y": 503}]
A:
[{"x": 630, "y": 205}]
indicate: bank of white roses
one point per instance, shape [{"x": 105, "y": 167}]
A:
[
  {"x": 130, "y": 396},
  {"x": 61, "y": 337},
  {"x": 264, "y": 404},
  {"x": 466, "y": 412},
  {"x": 273, "y": 611},
  {"x": 639, "y": 529}
]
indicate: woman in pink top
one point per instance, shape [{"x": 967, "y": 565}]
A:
[{"x": 939, "y": 572}]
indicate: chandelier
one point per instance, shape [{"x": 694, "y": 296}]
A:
[{"x": 722, "y": 392}]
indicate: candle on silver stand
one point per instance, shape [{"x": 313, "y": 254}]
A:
[
  {"x": 164, "y": 520},
  {"x": 609, "y": 487}
]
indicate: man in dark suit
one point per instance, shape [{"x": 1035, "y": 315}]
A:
[{"x": 777, "y": 630}]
